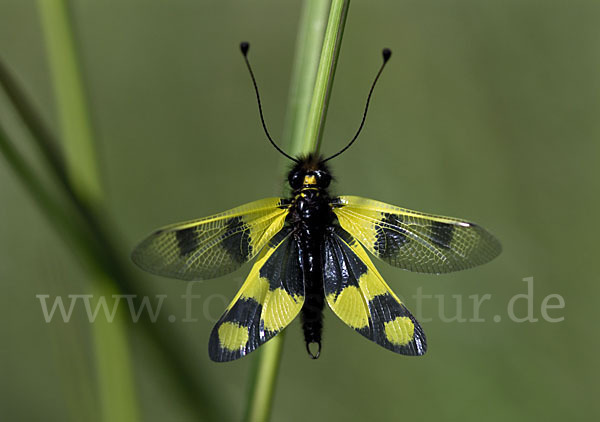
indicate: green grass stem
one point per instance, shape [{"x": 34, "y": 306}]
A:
[
  {"x": 309, "y": 43},
  {"x": 317, "y": 49},
  {"x": 325, "y": 74}
]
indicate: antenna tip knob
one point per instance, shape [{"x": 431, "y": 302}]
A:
[
  {"x": 244, "y": 46},
  {"x": 387, "y": 53}
]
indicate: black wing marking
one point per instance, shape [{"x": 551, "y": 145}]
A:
[
  {"x": 212, "y": 246},
  {"x": 415, "y": 241}
]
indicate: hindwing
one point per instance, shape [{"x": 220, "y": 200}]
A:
[
  {"x": 269, "y": 299},
  {"x": 359, "y": 296},
  {"x": 213, "y": 246},
  {"x": 415, "y": 241}
]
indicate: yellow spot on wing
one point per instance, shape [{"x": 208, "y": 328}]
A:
[
  {"x": 255, "y": 288},
  {"x": 371, "y": 285},
  {"x": 279, "y": 309},
  {"x": 232, "y": 336},
  {"x": 350, "y": 306},
  {"x": 400, "y": 331}
]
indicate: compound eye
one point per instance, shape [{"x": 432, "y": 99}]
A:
[
  {"x": 296, "y": 179},
  {"x": 323, "y": 179}
]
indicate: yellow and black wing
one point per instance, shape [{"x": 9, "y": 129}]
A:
[
  {"x": 359, "y": 296},
  {"x": 415, "y": 241},
  {"x": 212, "y": 246},
  {"x": 269, "y": 299}
]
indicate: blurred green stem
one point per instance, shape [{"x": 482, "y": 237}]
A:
[
  {"x": 311, "y": 85},
  {"x": 53, "y": 209},
  {"x": 93, "y": 243},
  {"x": 76, "y": 130},
  {"x": 84, "y": 229},
  {"x": 114, "y": 370}
]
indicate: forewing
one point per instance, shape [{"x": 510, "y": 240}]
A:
[
  {"x": 415, "y": 241},
  {"x": 212, "y": 246},
  {"x": 357, "y": 294},
  {"x": 268, "y": 301}
]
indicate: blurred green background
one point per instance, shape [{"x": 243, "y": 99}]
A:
[{"x": 488, "y": 111}]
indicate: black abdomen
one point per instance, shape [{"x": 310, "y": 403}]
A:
[
  {"x": 311, "y": 215},
  {"x": 314, "y": 301}
]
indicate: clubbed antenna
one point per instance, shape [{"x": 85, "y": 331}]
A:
[
  {"x": 386, "y": 53},
  {"x": 244, "y": 47}
]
